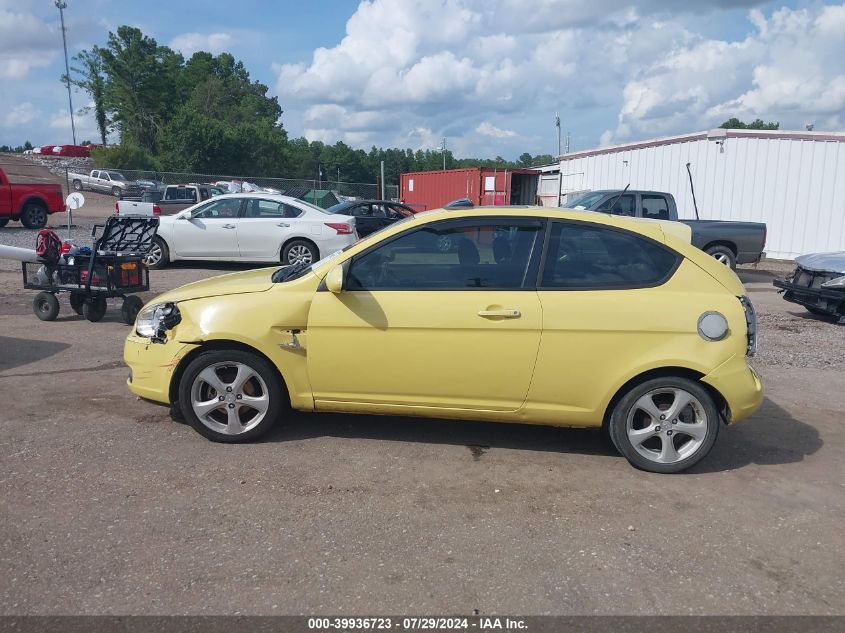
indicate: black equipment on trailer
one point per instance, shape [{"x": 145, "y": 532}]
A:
[{"x": 114, "y": 268}]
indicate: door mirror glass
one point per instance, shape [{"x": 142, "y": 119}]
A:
[{"x": 334, "y": 280}]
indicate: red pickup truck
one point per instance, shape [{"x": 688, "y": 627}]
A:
[{"x": 30, "y": 203}]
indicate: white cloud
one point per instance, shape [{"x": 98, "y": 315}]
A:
[
  {"x": 452, "y": 67},
  {"x": 788, "y": 70},
  {"x": 20, "y": 114},
  {"x": 488, "y": 129},
  {"x": 26, "y": 42},
  {"x": 190, "y": 43}
]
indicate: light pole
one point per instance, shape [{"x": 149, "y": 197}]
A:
[
  {"x": 443, "y": 149},
  {"x": 557, "y": 125},
  {"x": 61, "y": 5}
]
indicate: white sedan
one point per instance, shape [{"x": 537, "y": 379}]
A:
[{"x": 253, "y": 227}]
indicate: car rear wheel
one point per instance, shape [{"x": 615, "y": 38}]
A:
[
  {"x": 34, "y": 215},
  {"x": 115, "y": 191},
  {"x": 299, "y": 252},
  {"x": 231, "y": 395},
  {"x": 665, "y": 425},
  {"x": 159, "y": 255},
  {"x": 77, "y": 185},
  {"x": 723, "y": 255}
]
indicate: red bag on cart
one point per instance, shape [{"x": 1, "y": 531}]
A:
[{"x": 48, "y": 246}]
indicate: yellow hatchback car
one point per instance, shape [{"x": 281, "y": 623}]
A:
[{"x": 529, "y": 315}]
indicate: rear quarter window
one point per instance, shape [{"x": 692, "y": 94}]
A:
[{"x": 589, "y": 257}]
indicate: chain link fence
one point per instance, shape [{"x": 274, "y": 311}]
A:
[{"x": 316, "y": 191}]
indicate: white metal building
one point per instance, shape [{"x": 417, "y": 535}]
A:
[{"x": 792, "y": 181}]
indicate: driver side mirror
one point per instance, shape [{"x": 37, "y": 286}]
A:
[{"x": 334, "y": 280}]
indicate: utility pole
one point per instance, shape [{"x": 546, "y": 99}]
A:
[
  {"x": 557, "y": 125},
  {"x": 381, "y": 187},
  {"x": 443, "y": 149},
  {"x": 61, "y": 5},
  {"x": 567, "y": 142}
]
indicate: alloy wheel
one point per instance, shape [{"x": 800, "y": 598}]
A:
[
  {"x": 230, "y": 398},
  {"x": 722, "y": 258},
  {"x": 667, "y": 425},
  {"x": 300, "y": 254},
  {"x": 153, "y": 256}
]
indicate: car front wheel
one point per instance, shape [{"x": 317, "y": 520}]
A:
[
  {"x": 159, "y": 255},
  {"x": 665, "y": 425},
  {"x": 231, "y": 395}
]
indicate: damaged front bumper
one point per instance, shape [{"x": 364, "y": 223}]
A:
[{"x": 805, "y": 288}]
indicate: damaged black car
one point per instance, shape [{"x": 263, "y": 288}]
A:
[{"x": 818, "y": 284}]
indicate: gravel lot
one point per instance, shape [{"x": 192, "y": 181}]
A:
[{"x": 107, "y": 506}]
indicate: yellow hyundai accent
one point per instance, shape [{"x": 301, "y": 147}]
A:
[{"x": 530, "y": 315}]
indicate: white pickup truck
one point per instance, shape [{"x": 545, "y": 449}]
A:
[{"x": 105, "y": 180}]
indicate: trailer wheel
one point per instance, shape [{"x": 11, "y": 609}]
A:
[
  {"x": 76, "y": 302},
  {"x": 131, "y": 307},
  {"x": 46, "y": 306},
  {"x": 94, "y": 309},
  {"x": 34, "y": 215}
]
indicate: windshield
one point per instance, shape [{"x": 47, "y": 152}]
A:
[
  {"x": 340, "y": 207},
  {"x": 587, "y": 201}
]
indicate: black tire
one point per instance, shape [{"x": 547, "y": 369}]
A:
[
  {"x": 688, "y": 449},
  {"x": 46, "y": 306},
  {"x": 159, "y": 255},
  {"x": 34, "y": 215},
  {"x": 223, "y": 360},
  {"x": 131, "y": 307},
  {"x": 76, "y": 302},
  {"x": 115, "y": 191},
  {"x": 77, "y": 185},
  {"x": 295, "y": 251},
  {"x": 723, "y": 254},
  {"x": 94, "y": 309},
  {"x": 3, "y": 222}
]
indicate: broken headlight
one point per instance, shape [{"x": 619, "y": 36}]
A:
[
  {"x": 838, "y": 283},
  {"x": 154, "y": 320}
]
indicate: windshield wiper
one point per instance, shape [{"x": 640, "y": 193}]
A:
[{"x": 286, "y": 272}]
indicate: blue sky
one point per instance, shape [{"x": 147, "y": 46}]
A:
[{"x": 488, "y": 75}]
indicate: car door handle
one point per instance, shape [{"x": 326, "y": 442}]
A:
[
  {"x": 229, "y": 226},
  {"x": 500, "y": 314},
  {"x": 284, "y": 225}
]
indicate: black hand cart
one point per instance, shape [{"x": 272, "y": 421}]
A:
[{"x": 114, "y": 268}]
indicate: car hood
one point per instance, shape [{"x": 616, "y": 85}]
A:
[
  {"x": 231, "y": 284},
  {"x": 823, "y": 262}
]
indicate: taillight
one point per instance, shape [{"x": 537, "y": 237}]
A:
[
  {"x": 156, "y": 210},
  {"x": 341, "y": 228},
  {"x": 116, "y": 207}
]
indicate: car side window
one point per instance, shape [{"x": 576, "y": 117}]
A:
[
  {"x": 104, "y": 175},
  {"x": 271, "y": 209},
  {"x": 589, "y": 257},
  {"x": 95, "y": 174},
  {"x": 453, "y": 256},
  {"x": 625, "y": 206},
  {"x": 655, "y": 207},
  {"x": 227, "y": 208},
  {"x": 204, "y": 194}
]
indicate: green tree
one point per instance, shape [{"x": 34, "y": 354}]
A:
[
  {"x": 757, "y": 124},
  {"x": 87, "y": 74}
]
